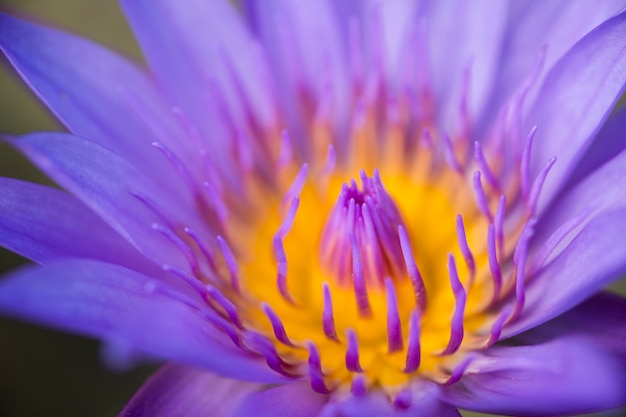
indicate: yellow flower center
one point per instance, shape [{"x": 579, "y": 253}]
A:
[{"x": 373, "y": 268}]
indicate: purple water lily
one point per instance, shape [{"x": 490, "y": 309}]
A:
[{"x": 334, "y": 208}]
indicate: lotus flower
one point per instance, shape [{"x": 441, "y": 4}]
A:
[{"x": 323, "y": 208}]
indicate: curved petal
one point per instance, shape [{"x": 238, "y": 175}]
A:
[
  {"x": 204, "y": 40},
  {"x": 106, "y": 183},
  {"x": 180, "y": 390},
  {"x": 610, "y": 141},
  {"x": 95, "y": 93},
  {"x": 44, "y": 224},
  {"x": 599, "y": 192},
  {"x": 159, "y": 317},
  {"x": 575, "y": 364},
  {"x": 556, "y": 24},
  {"x": 576, "y": 97},
  {"x": 593, "y": 259},
  {"x": 422, "y": 400},
  {"x": 287, "y": 400}
]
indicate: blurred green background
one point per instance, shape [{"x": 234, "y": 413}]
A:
[{"x": 42, "y": 372}]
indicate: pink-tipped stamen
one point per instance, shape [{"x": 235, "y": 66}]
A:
[
  {"x": 492, "y": 180},
  {"x": 496, "y": 328},
  {"x": 153, "y": 207},
  {"x": 226, "y": 304},
  {"x": 287, "y": 223},
  {"x": 498, "y": 223},
  {"x": 414, "y": 349},
  {"x": 525, "y": 163},
  {"x": 458, "y": 372},
  {"x": 352, "y": 352},
  {"x": 316, "y": 376},
  {"x": 188, "y": 279},
  {"x": 460, "y": 296},
  {"x": 494, "y": 265},
  {"x": 328, "y": 318},
  {"x": 216, "y": 202},
  {"x": 414, "y": 275},
  {"x": 297, "y": 185},
  {"x": 535, "y": 190},
  {"x": 227, "y": 327},
  {"x": 277, "y": 325},
  {"x": 465, "y": 249},
  {"x": 187, "y": 252},
  {"x": 481, "y": 198},
  {"x": 266, "y": 348},
  {"x": 394, "y": 325},
  {"x": 231, "y": 263},
  {"x": 205, "y": 249},
  {"x": 358, "y": 281},
  {"x": 281, "y": 266}
]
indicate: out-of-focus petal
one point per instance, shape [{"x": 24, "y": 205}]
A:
[
  {"x": 532, "y": 25},
  {"x": 43, "y": 224},
  {"x": 306, "y": 55},
  {"x": 288, "y": 400},
  {"x": 576, "y": 97},
  {"x": 424, "y": 402},
  {"x": 473, "y": 41},
  {"x": 105, "y": 182},
  {"x": 160, "y": 317},
  {"x": 575, "y": 364},
  {"x": 590, "y": 261},
  {"x": 386, "y": 31},
  {"x": 193, "y": 45},
  {"x": 97, "y": 94},
  {"x": 181, "y": 390}
]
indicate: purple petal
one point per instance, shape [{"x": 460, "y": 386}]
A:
[
  {"x": 600, "y": 191},
  {"x": 92, "y": 91},
  {"x": 610, "y": 141},
  {"x": 105, "y": 182},
  {"x": 557, "y": 24},
  {"x": 43, "y": 224},
  {"x": 473, "y": 40},
  {"x": 157, "y": 316},
  {"x": 203, "y": 41},
  {"x": 593, "y": 259},
  {"x": 575, "y": 364},
  {"x": 288, "y": 400},
  {"x": 423, "y": 401},
  {"x": 180, "y": 390},
  {"x": 577, "y": 95}
]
